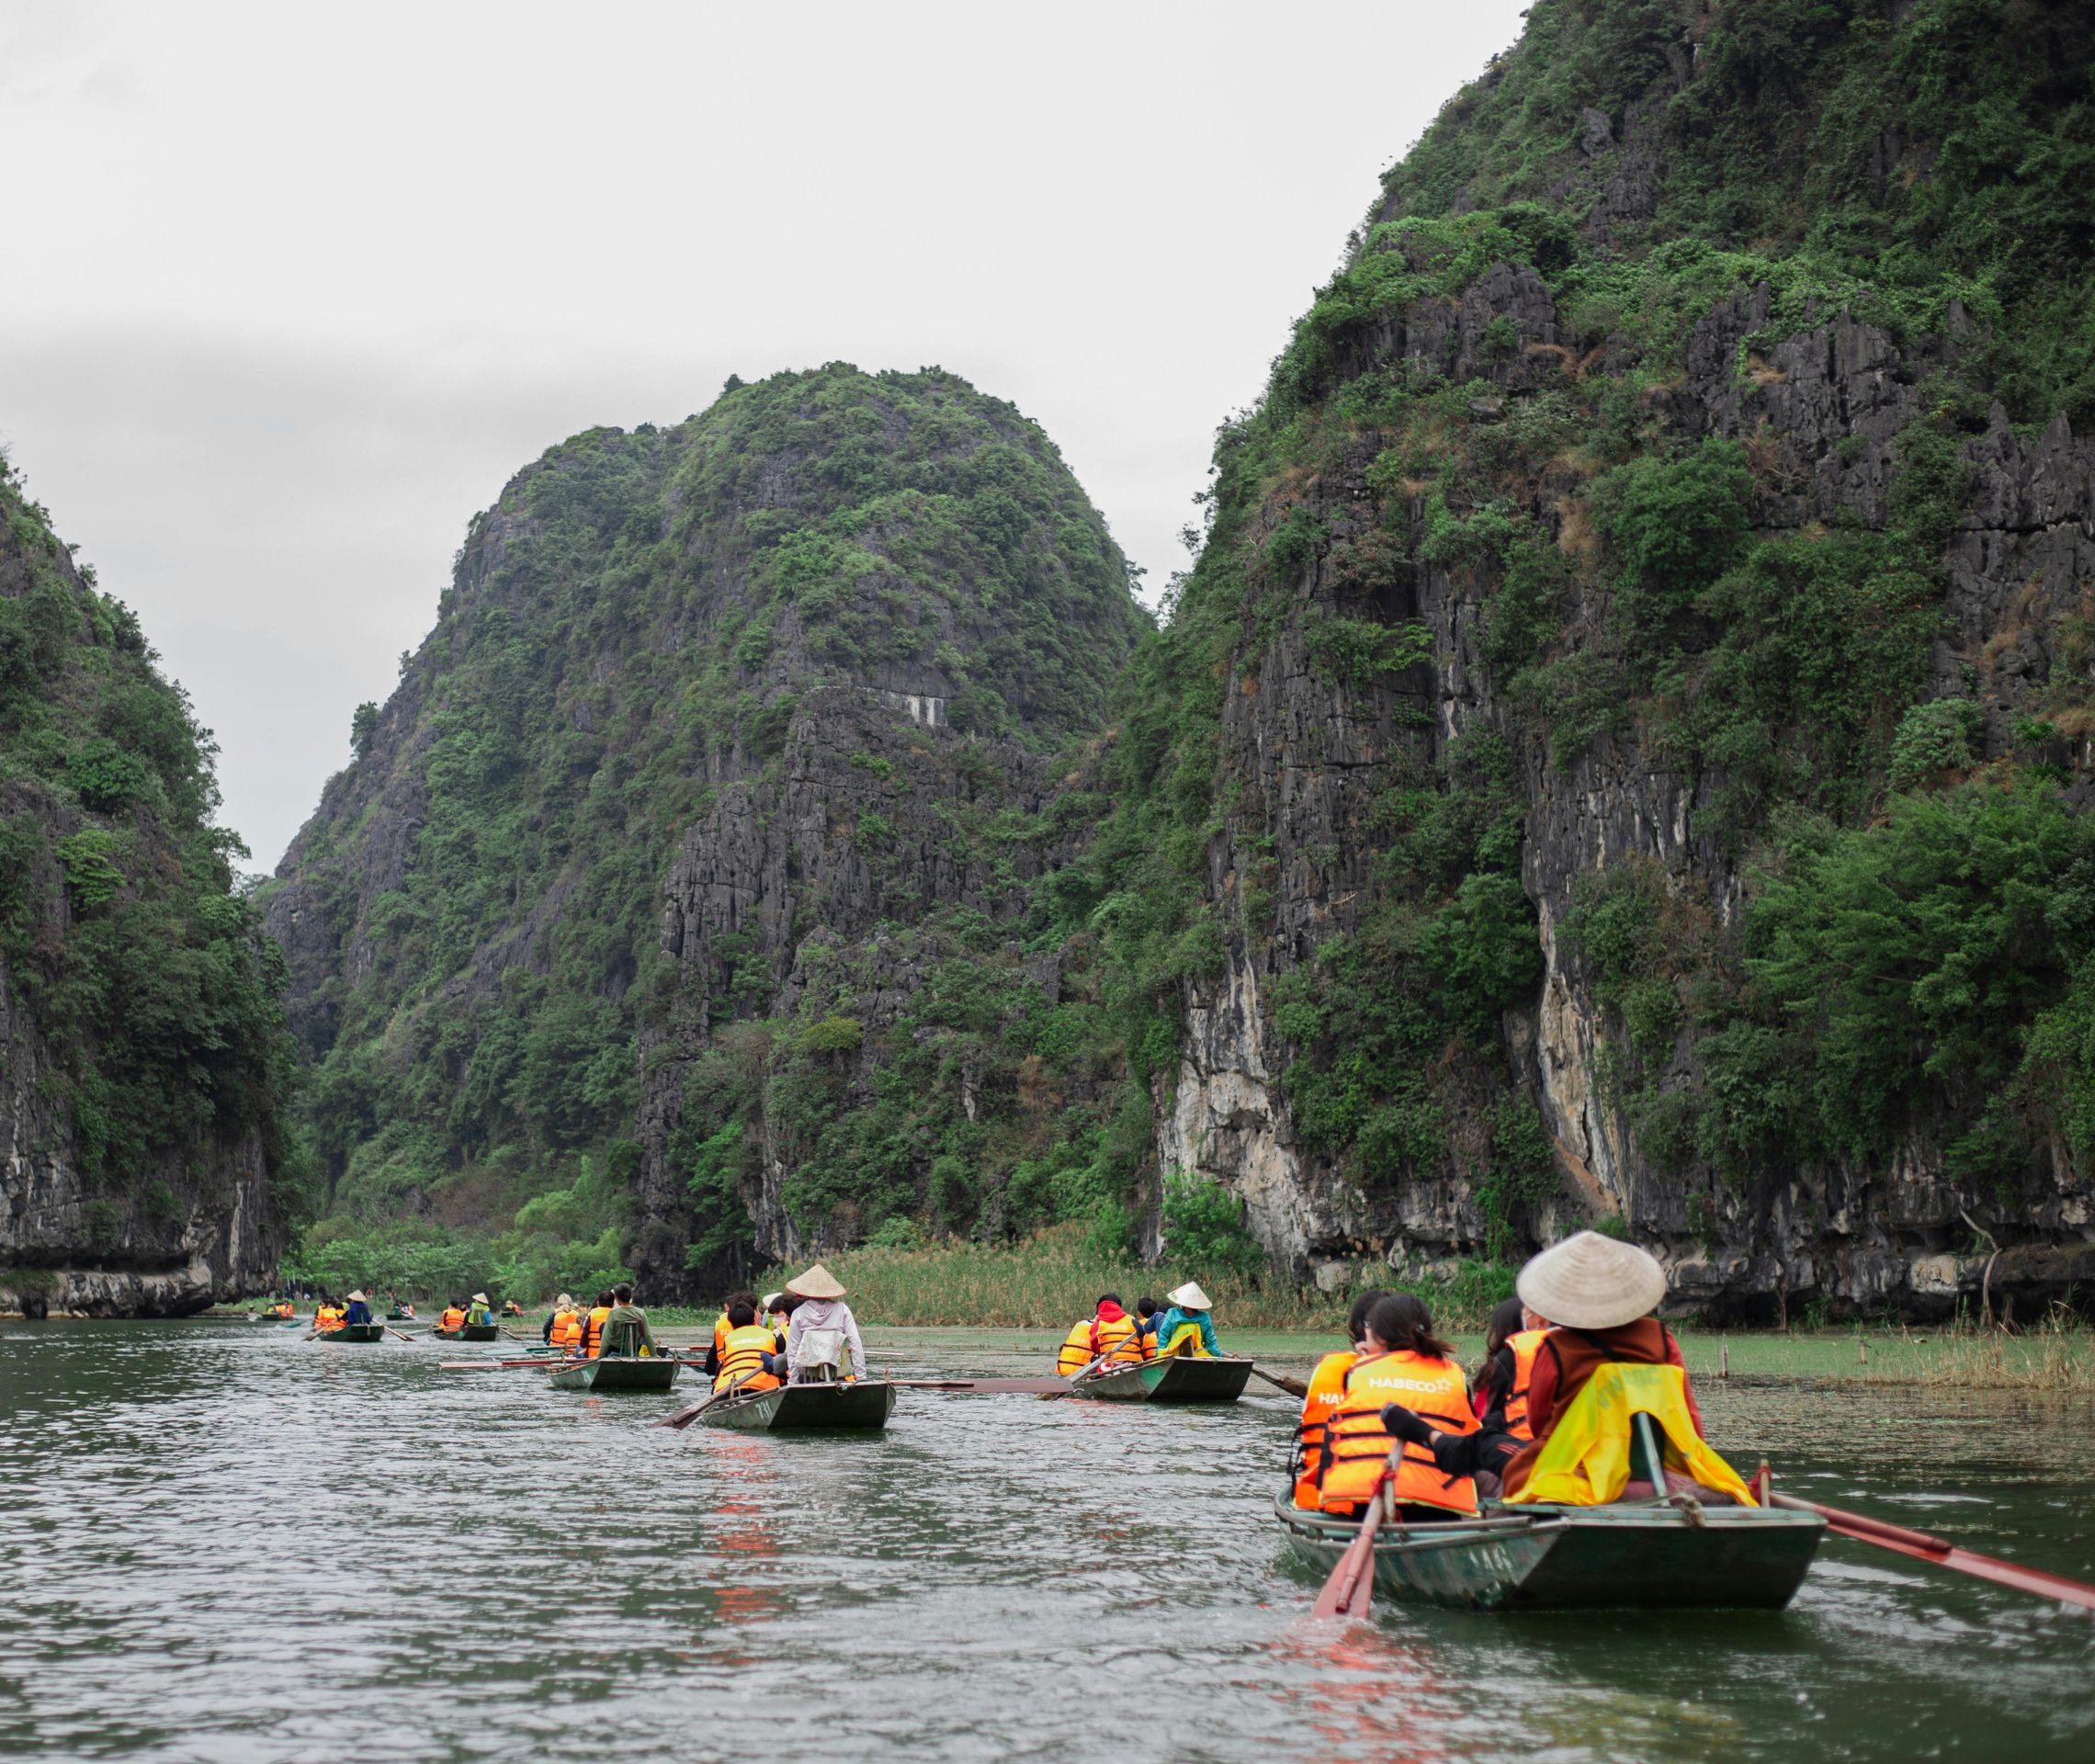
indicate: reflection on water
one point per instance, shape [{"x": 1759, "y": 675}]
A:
[{"x": 224, "y": 1542}]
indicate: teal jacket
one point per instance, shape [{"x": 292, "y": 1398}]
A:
[{"x": 1167, "y": 1323}]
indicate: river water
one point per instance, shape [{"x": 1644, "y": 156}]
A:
[{"x": 224, "y": 1543}]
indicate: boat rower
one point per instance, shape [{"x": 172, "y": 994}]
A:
[
  {"x": 1186, "y": 1327},
  {"x": 478, "y": 1313},
  {"x": 823, "y": 1331},
  {"x": 1607, "y": 1360},
  {"x": 625, "y": 1329},
  {"x": 359, "y": 1309}
]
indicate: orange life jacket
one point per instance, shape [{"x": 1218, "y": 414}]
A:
[
  {"x": 1524, "y": 1345},
  {"x": 1327, "y": 1390},
  {"x": 453, "y": 1318},
  {"x": 566, "y": 1327},
  {"x": 327, "y": 1317},
  {"x": 1357, "y": 1449},
  {"x": 742, "y": 1357},
  {"x": 722, "y": 1328},
  {"x": 593, "y": 1331},
  {"x": 1112, "y": 1337}
]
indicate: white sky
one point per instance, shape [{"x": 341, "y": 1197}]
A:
[{"x": 288, "y": 291}]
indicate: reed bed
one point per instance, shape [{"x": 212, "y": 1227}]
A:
[{"x": 2057, "y": 1356}]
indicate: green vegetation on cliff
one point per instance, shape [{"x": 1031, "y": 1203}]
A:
[{"x": 148, "y": 981}]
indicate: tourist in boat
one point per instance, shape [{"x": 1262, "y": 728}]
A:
[
  {"x": 821, "y": 1329},
  {"x": 284, "y": 1308},
  {"x": 478, "y": 1313},
  {"x": 749, "y": 1355},
  {"x": 359, "y": 1309},
  {"x": 593, "y": 1326},
  {"x": 722, "y": 1326},
  {"x": 1108, "y": 1334},
  {"x": 325, "y": 1317},
  {"x": 774, "y": 1311},
  {"x": 1512, "y": 1340},
  {"x": 1186, "y": 1327},
  {"x": 1403, "y": 1363},
  {"x": 454, "y": 1316},
  {"x": 1584, "y": 1387},
  {"x": 1146, "y": 1309},
  {"x": 626, "y": 1328},
  {"x": 1327, "y": 1390},
  {"x": 560, "y": 1320},
  {"x": 510, "y": 1307}
]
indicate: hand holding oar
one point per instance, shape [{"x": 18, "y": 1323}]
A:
[
  {"x": 683, "y": 1417},
  {"x": 1943, "y": 1553},
  {"x": 1347, "y": 1592}
]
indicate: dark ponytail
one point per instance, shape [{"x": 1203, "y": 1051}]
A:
[
  {"x": 1401, "y": 1323},
  {"x": 1356, "y": 1318}
]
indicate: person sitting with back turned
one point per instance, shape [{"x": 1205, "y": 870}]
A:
[
  {"x": 1512, "y": 1340},
  {"x": 478, "y": 1315},
  {"x": 721, "y": 1325},
  {"x": 822, "y": 1329},
  {"x": 1186, "y": 1327},
  {"x": 453, "y": 1318},
  {"x": 359, "y": 1309},
  {"x": 1607, "y": 1358},
  {"x": 1108, "y": 1334},
  {"x": 626, "y": 1328},
  {"x": 1327, "y": 1392},
  {"x": 591, "y": 1344},
  {"x": 749, "y": 1357},
  {"x": 1146, "y": 1309},
  {"x": 559, "y": 1320},
  {"x": 1402, "y": 1361}
]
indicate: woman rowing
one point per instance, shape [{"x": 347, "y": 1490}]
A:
[
  {"x": 1186, "y": 1327},
  {"x": 1606, "y": 1358},
  {"x": 821, "y": 1330}
]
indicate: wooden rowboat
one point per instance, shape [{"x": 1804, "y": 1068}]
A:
[
  {"x": 1177, "y": 1379},
  {"x": 863, "y": 1407},
  {"x": 617, "y": 1373},
  {"x": 470, "y": 1332},
  {"x": 1652, "y": 1555},
  {"x": 356, "y": 1332}
]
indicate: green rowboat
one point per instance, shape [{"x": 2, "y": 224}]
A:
[
  {"x": 863, "y": 1407},
  {"x": 470, "y": 1332},
  {"x": 1653, "y": 1555},
  {"x": 618, "y": 1373},
  {"x": 1180, "y": 1378},
  {"x": 356, "y": 1332}
]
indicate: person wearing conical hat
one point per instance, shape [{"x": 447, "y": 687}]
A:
[
  {"x": 1186, "y": 1327},
  {"x": 1597, "y": 1295},
  {"x": 821, "y": 1313},
  {"x": 359, "y": 1309},
  {"x": 478, "y": 1313}
]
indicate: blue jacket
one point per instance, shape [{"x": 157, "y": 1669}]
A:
[
  {"x": 1167, "y": 1323},
  {"x": 358, "y": 1312}
]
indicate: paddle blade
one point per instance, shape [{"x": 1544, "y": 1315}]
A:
[{"x": 1352, "y": 1585}]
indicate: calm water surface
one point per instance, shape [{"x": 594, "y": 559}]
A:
[{"x": 224, "y": 1542}]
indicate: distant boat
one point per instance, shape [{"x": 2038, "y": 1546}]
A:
[
  {"x": 1175, "y": 1378},
  {"x": 471, "y": 1332}
]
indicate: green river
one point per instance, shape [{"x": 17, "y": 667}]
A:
[{"x": 226, "y": 1542}]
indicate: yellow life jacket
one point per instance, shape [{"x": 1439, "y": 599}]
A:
[
  {"x": 1186, "y": 1339},
  {"x": 742, "y": 1357},
  {"x": 1588, "y": 1457},
  {"x": 327, "y": 1317},
  {"x": 1097, "y": 1336}
]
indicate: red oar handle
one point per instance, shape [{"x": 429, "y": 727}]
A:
[{"x": 1897, "y": 1535}]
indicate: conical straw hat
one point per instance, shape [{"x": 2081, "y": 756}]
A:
[
  {"x": 1189, "y": 1297},
  {"x": 770, "y": 1301},
  {"x": 360, "y": 1298},
  {"x": 817, "y": 1282},
  {"x": 480, "y": 1298},
  {"x": 1589, "y": 1282}
]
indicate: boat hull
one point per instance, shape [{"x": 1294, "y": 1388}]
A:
[
  {"x": 1182, "y": 1378},
  {"x": 618, "y": 1373},
  {"x": 356, "y": 1332},
  {"x": 470, "y": 1332},
  {"x": 863, "y": 1407},
  {"x": 1572, "y": 1558}
]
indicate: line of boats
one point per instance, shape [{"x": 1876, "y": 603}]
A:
[{"x": 1663, "y": 1552}]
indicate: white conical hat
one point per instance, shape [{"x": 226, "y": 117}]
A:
[
  {"x": 1589, "y": 1282},
  {"x": 1189, "y": 1297},
  {"x": 770, "y": 1301},
  {"x": 817, "y": 1282},
  {"x": 359, "y": 1298},
  {"x": 480, "y": 1298}
]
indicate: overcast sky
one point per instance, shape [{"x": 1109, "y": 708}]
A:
[{"x": 290, "y": 290}]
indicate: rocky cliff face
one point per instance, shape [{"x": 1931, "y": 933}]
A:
[
  {"x": 1580, "y": 546},
  {"x": 732, "y": 741},
  {"x": 143, "y": 1062}
]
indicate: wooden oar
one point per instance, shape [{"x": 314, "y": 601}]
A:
[
  {"x": 402, "y": 1333},
  {"x": 1293, "y": 1386},
  {"x": 683, "y": 1417},
  {"x": 1347, "y": 1592},
  {"x": 1925, "y": 1547},
  {"x": 986, "y": 1387}
]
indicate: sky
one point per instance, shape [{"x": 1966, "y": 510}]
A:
[{"x": 289, "y": 293}]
